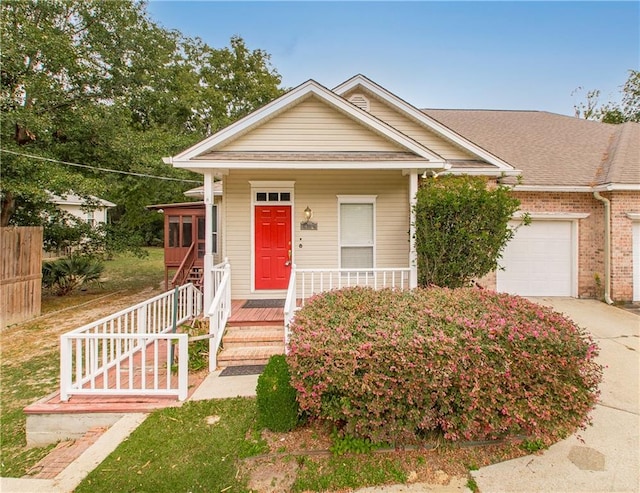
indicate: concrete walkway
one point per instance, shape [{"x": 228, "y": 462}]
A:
[{"x": 609, "y": 459}]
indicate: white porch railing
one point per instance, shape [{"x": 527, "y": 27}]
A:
[
  {"x": 131, "y": 352},
  {"x": 220, "y": 309},
  {"x": 304, "y": 283}
]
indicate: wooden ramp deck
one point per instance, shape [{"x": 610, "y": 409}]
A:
[{"x": 80, "y": 404}]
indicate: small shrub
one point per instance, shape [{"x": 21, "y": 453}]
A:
[
  {"x": 469, "y": 364},
  {"x": 275, "y": 397},
  {"x": 352, "y": 445},
  {"x": 66, "y": 274},
  {"x": 533, "y": 446}
]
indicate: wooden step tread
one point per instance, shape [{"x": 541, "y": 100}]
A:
[
  {"x": 261, "y": 335},
  {"x": 249, "y": 353},
  {"x": 267, "y": 326}
]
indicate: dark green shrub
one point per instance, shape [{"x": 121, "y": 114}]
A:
[
  {"x": 275, "y": 397},
  {"x": 461, "y": 228},
  {"x": 66, "y": 274}
]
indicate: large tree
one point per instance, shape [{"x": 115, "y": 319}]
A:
[
  {"x": 626, "y": 110},
  {"x": 99, "y": 83}
]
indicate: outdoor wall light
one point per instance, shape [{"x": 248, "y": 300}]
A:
[
  {"x": 307, "y": 225},
  {"x": 308, "y": 214}
]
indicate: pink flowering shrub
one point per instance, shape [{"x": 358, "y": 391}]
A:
[{"x": 392, "y": 366}]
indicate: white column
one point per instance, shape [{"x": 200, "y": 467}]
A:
[
  {"x": 413, "y": 257},
  {"x": 208, "y": 241}
]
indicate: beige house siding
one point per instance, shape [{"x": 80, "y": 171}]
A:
[
  {"x": 412, "y": 129},
  {"x": 76, "y": 210},
  {"x": 319, "y": 191},
  {"x": 311, "y": 125}
]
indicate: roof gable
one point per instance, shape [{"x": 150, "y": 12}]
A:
[
  {"x": 311, "y": 125},
  {"x": 360, "y": 81},
  {"x": 283, "y": 104}
]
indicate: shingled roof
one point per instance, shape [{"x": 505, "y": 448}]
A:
[{"x": 552, "y": 149}]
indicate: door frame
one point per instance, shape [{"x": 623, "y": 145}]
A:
[{"x": 269, "y": 186}]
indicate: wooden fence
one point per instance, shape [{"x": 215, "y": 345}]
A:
[{"x": 20, "y": 274}]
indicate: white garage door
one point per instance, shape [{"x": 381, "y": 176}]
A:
[{"x": 539, "y": 260}]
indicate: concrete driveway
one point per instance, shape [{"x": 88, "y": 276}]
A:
[{"x": 608, "y": 458}]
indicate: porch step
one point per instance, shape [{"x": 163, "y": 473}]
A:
[
  {"x": 195, "y": 276},
  {"x": 242, "y": 356},
  {"x": 250, "y": 345},
  {"x": 253, "y": 336}
]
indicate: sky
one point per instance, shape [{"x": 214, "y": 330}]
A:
[{"x": 483, "y": 55}]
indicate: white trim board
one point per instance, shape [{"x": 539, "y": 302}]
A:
[
  {"x": 294, "y": 96},
  {"x": 422, "y": 118}
]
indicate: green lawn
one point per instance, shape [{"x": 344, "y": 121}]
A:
[
  {"x": 27, "y": 375},
  {"x": 176, "y": 449},
  {"x": 214, "y": 446},
  {"x": 125, "y": 273}
]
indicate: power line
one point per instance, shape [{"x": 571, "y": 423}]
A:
[{"x": 142, "y": 175}]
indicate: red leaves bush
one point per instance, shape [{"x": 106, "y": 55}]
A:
[{"x": 394, "y": 366}]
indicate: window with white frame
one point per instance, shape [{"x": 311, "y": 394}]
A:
[
  {"x": 357, "y": 231},
  {"x": 214, "y": 217}
]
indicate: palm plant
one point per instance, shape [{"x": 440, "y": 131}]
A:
[{"x": 66, "y": 274}]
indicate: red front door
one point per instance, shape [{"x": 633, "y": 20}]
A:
[{"x": 273, "y": 246}]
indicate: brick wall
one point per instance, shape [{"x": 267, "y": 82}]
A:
[
  {"x": 590, "y": 233},
  {"x": 622, "y": 243},
  {"x": 591, "y": 238}
]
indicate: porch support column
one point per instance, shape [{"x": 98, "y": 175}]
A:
[
  {"x": 208, "y": 241},
  {"x": 413, "y": 257}
]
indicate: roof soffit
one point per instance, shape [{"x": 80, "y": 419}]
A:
[
  {"x": 290, "y": 99},
  {"x": 361, "y": 82}
]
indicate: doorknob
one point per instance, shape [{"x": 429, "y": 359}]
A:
[{"x": 288, "y": 262}]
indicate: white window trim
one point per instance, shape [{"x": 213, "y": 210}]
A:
[
  {"x": 552, "y": 216},
  {"x": 215, "y": 244},
  {"x": 357, "y": 199},
  {"x": 268, "y": 186}
]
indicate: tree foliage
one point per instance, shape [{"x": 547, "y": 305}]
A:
[
  {"x": 626, "y": 110},
  {"x": 461, "y": 228},
  {"x": 99, "y": 83}
]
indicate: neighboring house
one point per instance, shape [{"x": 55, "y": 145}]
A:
[
  {"x": 77, "y": 207},
  {"x": 352, "y": 158}
]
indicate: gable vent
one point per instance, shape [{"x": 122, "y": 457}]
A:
[{"x": 360, "y": 101}]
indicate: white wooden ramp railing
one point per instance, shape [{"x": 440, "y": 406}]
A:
[
  {"x": 220, "y": 309},
  {"x": 133, "y": 351},
  {"x": 305, "y": 283}
]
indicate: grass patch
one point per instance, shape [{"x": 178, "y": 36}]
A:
[
  {"x": 34, "y": 373},
  {"x": 207, "y": 446},
  {"x": 349, "y": 472},
  {"x": 22, "y": 385},
  {"x": 175, "y": 449},
  {"x": 126, "y": 273}
]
